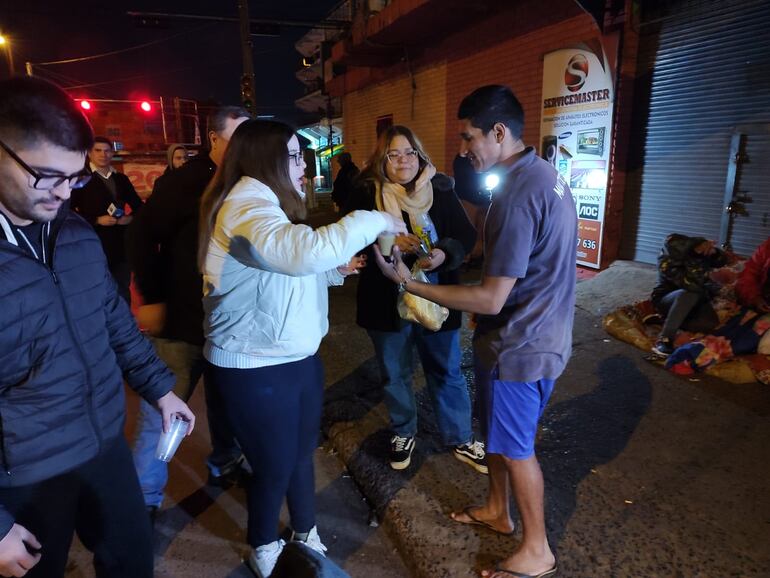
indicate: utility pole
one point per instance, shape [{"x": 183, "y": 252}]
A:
[{"x": 247, "y": 79}]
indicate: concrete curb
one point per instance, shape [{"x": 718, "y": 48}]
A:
[{"x": 413, "y": 506}]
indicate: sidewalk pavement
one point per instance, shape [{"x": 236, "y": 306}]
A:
[{"x": 647, "y": 474}]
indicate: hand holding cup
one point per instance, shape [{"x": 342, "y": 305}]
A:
[
  {"x": 394, "y": 225},
  {"x": 169, "y": 440},
  {"x": 394, "y": 270}
]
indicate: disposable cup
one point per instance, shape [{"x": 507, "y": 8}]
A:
[
  {"x": 170, "y": 440},
  {"x": 385, "y": 241}
]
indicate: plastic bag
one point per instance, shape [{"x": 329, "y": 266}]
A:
[{"x": 413, "y": 308}]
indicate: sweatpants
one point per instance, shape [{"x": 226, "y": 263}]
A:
[
  {"x": 275, "y": 413},
  {"x": 99, "y": 500}
]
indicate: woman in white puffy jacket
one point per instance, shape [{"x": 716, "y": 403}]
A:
[{"x": 266, "y": 304}]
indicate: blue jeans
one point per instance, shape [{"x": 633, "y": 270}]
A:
[
  {"x": 440, "y": 357},
  {"x": 186, "y": 361}
]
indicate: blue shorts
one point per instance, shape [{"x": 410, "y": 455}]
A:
[{"x": 510, "y": 413}]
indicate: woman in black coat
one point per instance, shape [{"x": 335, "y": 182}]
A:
[{"x": 400, "y": 179}]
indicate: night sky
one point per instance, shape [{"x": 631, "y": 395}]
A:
[{"x": 193, "y": 59}]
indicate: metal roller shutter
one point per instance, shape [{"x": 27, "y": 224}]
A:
[{"x": 710, "y": 64}]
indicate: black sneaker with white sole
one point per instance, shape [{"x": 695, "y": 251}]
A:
[
  {"x": 663, "y": 347},
  {"x": 401, "y": 449},
  {"x": 473, "y": 454}
]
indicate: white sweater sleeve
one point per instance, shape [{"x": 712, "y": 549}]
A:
[
  {"x": 260, "y": 235},
  {"x": 334, "y": 278}
]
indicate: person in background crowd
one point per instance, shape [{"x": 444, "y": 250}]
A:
[
  {"x": 343, "y": 183},
  {"x": 401, "y": 180},
  {"x": 162, "y": 247},
  {"x": 684, "y": 289},
  {"x": 753, "y": 285},
  {"x": 176, "y": 156},
  {"x": 265, "y": 297},
  {"x": 104, "y": 202},
  {"x": 475, "y": 199},
  {"x": 67, "y": 341},
  {"x": 525, "y": 311}
]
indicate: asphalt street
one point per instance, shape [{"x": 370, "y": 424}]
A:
[{"x": 647, "y": 474}]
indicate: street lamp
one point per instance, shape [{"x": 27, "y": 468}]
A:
[{"x": 5, "y": 42}]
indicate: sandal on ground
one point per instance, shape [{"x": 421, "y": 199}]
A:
[
  {"x": 476, "y": 522},
  {"x": 550, "y": 572}
]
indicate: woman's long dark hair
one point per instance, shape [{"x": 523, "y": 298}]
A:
[{"x": 257, "y": 149}]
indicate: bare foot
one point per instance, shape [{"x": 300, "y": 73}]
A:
[
  {"x": 535, "y": 564},
  {"x": 481, "y": 516}
]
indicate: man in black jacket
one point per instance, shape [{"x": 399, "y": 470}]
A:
[
  {"x": 103, "y": 202},
  {"x": 67, "y": 340},
  {"x": 162, "y": 246}
]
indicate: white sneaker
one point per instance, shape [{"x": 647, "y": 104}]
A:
[
  {"x": 313, "y": 540},
  {"x": 262, "y": 559}
]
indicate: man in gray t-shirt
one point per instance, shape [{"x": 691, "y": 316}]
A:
[{"x": 525, "y": 306}]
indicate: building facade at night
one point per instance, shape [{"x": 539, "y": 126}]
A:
[
  {"x": 673, "y": 133},
  {"x": 141, "y": 132}
]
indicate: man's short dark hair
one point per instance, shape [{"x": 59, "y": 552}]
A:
[
  {"x": 103, "y": 140},
  {"x": 491, "y": 104},
  {"x": 32, "y": 110},
  {"x": 217, "y": 118},
  {"x": 344, "y": 159}
]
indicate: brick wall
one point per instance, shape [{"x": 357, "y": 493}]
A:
[
  {"x": 507, "y": 49},
  {"x": 361, "y": 109},
  {"x": 516, "y": 62}
]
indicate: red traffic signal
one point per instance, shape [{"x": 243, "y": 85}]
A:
[
  {"x": 145, "y": 106},
  {"x": 85, "y": 105}
]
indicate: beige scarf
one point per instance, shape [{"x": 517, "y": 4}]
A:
[{"x": 393, "y": 198}]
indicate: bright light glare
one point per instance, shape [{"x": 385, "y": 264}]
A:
[
  {"x": 85, "y": 105},
  {"x": 145, "y": 106},
  {"x": 491, "y": 181},
  {"x": 596, "y": 179}
]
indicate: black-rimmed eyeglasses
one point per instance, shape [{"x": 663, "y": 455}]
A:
[
  {"x": 297, "y": 158},
  {"x": 44, "y": 182}
]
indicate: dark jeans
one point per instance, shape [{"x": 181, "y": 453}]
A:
[
  {"x": 687, "y": 310},
  {"x": 276, "y": 415},
  {"x": 99, "y": 500}
]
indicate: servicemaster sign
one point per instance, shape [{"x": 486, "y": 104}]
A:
[{"x": 575, "y": 132}]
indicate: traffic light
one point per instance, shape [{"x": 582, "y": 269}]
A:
[
  {"x": 85, "y": 104},
  {"x": 247, "y": 91},
  {"x": 145, "y": 106}
]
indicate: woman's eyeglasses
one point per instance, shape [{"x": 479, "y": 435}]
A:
[
  {"x": 45, "y": 182},
  {"x": 396, "y": 156},
  {"x": 297, "y": 157}
]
